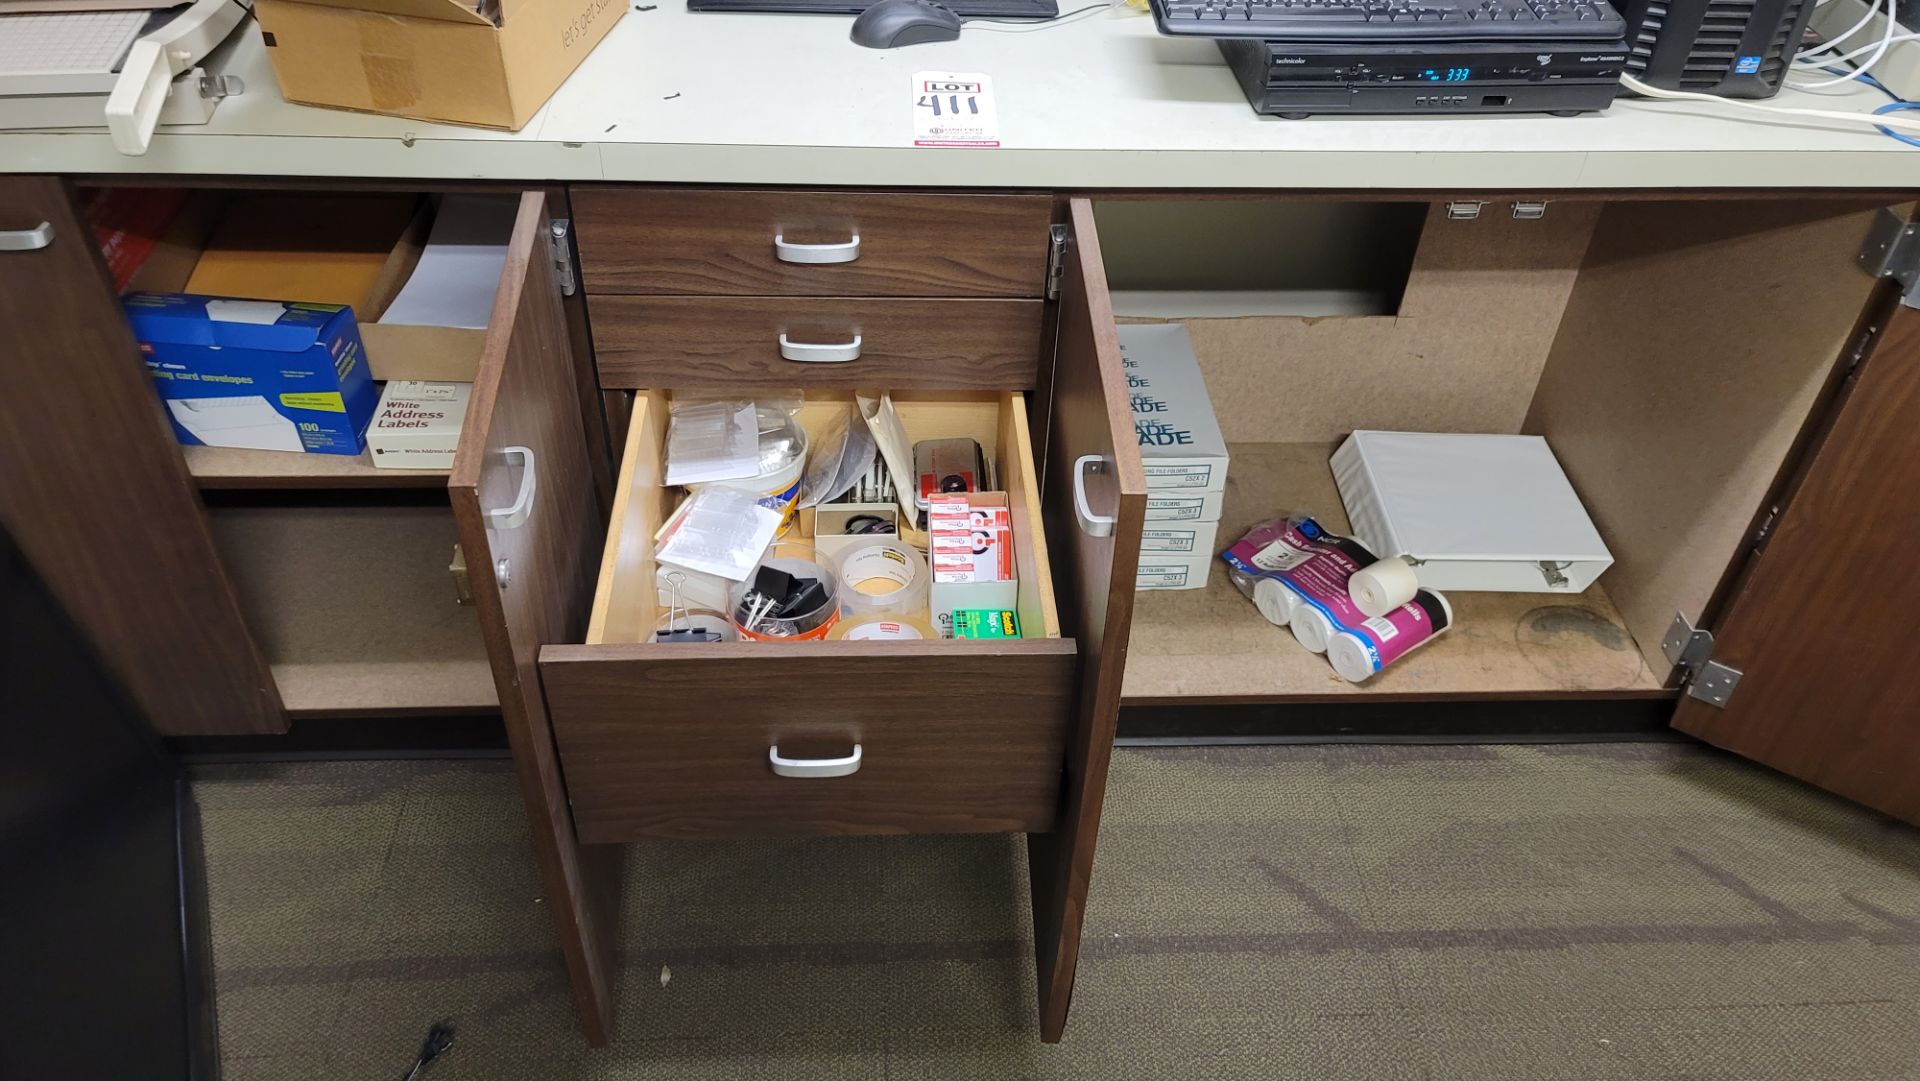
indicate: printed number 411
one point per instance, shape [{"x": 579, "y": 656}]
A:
[{"x": 932, "y": 101}]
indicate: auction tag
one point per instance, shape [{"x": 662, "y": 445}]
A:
[{"x": 954, "y": 109}]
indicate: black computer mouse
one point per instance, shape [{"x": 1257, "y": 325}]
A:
[{"x": 890, "y": 24}]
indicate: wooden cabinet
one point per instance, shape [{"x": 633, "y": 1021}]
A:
[{"x": 1727, "y": 392}]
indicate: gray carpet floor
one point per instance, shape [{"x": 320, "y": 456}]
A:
[{"x": 1633, "y": 911}]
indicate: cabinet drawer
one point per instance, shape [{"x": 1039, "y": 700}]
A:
[
  {"x": 737, "y": 342},
  {"x": 674, "y": 740},
  {"x": 755, "y": 243}
]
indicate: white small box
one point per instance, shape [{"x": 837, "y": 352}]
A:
[
  {"x": 1180, "y": 442},
  {"x": 1491, "y": 513},
  {"x": 1163, "y": 570},
  {"x": 1178, "y": 507},
  {"x": 417, "y": 425},
  {"x": 1180, "y": 539}
]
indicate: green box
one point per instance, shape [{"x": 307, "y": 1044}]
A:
[{"x": 985, "y": 623}]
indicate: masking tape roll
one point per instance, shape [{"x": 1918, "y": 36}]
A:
[
  {"x": 876, "y": 626},
  {"x": 883, "y": 576},
  {"x": 1379, "y": 588}
]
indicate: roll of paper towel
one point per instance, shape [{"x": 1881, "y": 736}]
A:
[{"x": 1379, "y": 588}]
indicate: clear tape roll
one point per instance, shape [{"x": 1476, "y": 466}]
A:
[
  {"x": 875, "y": 626},
  {"x": 882, "y": 576},
  {"x": 1379, "y": 588}
]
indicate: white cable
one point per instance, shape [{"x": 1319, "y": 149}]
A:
[
  {"x": 1829, "y": 61},
  {"x": 1886, "y": 42},
  {"x": 1910, "y": 125},
  {"x": 1873, "y": 8}
]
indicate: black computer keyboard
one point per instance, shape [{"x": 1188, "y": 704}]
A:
[{"x": 1392, "y": 20}]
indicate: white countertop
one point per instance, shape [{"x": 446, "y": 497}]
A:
[{"x": 1097, "y": 102}]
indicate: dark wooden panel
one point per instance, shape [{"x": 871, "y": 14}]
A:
[
  {"x": 96, "y": 493},
  {"x": 735, "y": 342},
  {"x": 1094, "y": 582},
  {"x": 662, "y": 240},
  {"x": 1822, "y": 627},
  {"x": 672, "y": 741},
  {"x": 524, "y": 395}
]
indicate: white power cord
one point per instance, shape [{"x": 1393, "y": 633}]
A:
[
  {"x": 1886, "y": 42},
  {"x": 1898, "y": 123},
  {"x": 1807, "y": 56}
]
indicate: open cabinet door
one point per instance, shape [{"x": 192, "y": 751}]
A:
[
  {"x": 1822, "y": 629},
  {"x": 1095, "y": 501},
  {"x": 530, "y": 527},
  {"x": 96, "y": 493}
]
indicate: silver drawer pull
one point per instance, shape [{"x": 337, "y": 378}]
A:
[
  {"x": 515, "y": 516},
  {"x": 817, "y": 353},
  {"x": 813, "y": 767},
  {"x": 1093, "y": 525},
  {"x": 815, "y": 253},
  {"x": 27, "y": 239}
]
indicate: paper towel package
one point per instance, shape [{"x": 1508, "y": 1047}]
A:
[
  {"x": 1491, "y": 513},
  {"x": 1180, "y": 441}
]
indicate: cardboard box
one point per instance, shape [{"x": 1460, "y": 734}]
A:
[
  {"x": 417, "y": 425},
  {"x": 360, "y": 250},
  {"x": 1180, "y": 441},
  {"x": 1176, "y": 507},
  {"x": 255, "y": 374},
  {"x": 1161, "y": 570},
  {"x": 970, "y": 549},
  {"x": 1180, "y": 539},
  {"x": 432, "y": 59}
]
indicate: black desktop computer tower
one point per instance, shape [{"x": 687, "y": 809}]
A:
[{"x": 1731, "y": 48}]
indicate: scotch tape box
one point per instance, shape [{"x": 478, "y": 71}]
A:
[
  {"x": 1188, "y": 539},
  {"x": 418, "y": 424},
  {"x": 256, "y": 374},
  {"x": 1163, "y": 570},
  {"x": 1176, "y": 507},
  {"x": 1180, "y": 442}
]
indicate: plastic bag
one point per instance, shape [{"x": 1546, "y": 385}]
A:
[{"x": 840, "y": 457}]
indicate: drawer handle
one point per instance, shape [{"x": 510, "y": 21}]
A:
[
  {"x": 1093, "y": 525},
  {"x": 27, "y": 239},
  {"x": 819, "y": 353},
  {"x": 815, "y": 253},
  {"x": 516, "y": 515},
  {"x": 813, "y": 767}
]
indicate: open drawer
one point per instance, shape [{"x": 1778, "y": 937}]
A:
[{"x": 974, "y": 736}]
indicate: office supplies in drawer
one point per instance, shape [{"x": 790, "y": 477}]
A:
[
  {"x": 737, "y": 343},
  {"x": 758, "y": 243}
]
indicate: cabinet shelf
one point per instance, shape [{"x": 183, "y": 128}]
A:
[
  {"x": 222, "y": 467},
  {"x": 1212, "y": 644}
]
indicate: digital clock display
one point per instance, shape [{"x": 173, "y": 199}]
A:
[{"x": 1447, "y": 75}]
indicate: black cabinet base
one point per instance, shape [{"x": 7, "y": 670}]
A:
[{"x": 1494, "y": 721}]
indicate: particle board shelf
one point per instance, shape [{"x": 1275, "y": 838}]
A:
[
  {"x": 354, "y": 607},
  {"x": 1212, "y": 644},
  {"x": 222, "y": 467}
]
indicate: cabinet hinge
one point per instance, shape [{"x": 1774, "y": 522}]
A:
[
  {"x": 1056, "y": 261},
  {"x": 1861, "y": 347},
  {"x": 462, "y": 585},
  {"x": 560, "y": 244},
  {"x": 1690, "y": 649},
  {"x": 1892, "y": 250},
  {"x": 1532, "y": 210},
  {"x": 1765, "y": 532},
  {"x": 1464, "y": 209}
]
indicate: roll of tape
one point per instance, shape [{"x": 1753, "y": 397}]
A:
[
  {"x": 1311, "y": 627},
  {"x": 878, "y": 627},
  {"x": 882, "y": 576},
  {"x": 1379, "y": 588},
  {"x": 1275, "y": 601}
]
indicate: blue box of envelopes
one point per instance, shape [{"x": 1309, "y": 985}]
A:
[{"x": 256, "y": 374}]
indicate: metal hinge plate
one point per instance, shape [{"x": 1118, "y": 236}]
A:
[
  {"x": 462, "y": 585},
  {"x": 1056, "y": 261},
  {"x": 1765, "y": 532},
  {"x": 1532, "y": 210},
  {"x": 560, "y": 243},
  {"x": 1892, "y": 250},
  {"x": 1691, "y": 649},
  {"x": 1464, "y": 209}
]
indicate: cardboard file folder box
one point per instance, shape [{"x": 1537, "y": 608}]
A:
[{"x": 432, "y": 59}]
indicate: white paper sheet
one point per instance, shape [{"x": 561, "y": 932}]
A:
[{"x": 459, "y": 269}]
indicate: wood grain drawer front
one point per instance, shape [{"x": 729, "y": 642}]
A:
[
  {"x": 736, "y": 342},
  {"x": 673, "y": 741},
  {"x": 637, "y": 240}
]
